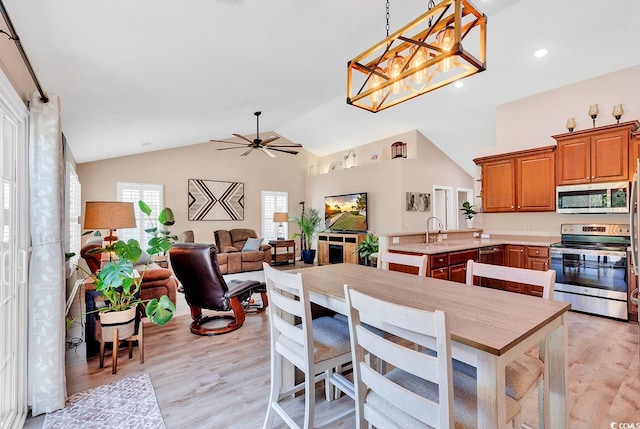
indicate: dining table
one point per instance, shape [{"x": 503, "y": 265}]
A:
[{"x": 489, "y": 328}]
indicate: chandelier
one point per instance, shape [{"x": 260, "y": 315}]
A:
[{"x": 422, "y": 56}]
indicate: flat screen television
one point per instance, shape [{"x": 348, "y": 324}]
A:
[{"x": 346, "y": 213}]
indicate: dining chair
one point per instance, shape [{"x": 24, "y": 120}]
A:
[
  {"x": 417, "y": 261},
  {"x": 421, "y": 389},
  {"x": 315, "y": 346},
  {"x": 527, "y": 372}
]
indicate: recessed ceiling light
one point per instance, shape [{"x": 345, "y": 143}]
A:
[
  {"x": 146, "y": 144},
  {"x": 540, "y": 53},
  {"x": 458, "y": 84}
]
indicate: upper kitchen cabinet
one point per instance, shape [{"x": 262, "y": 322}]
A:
[
  {"x": 519, "y": 181},
  {"x": 595, "y": 155},
  {"x": 634, "y": 150}
]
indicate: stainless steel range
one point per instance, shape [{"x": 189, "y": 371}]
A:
[{"x": 591, "y": 268}]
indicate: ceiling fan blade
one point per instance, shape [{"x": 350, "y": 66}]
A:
[
  {"x": 292, "y": 152},
  {"x": 227, "y": 148},
  {"x": 240, "y": 136},
  {"x": 269, "y": 140},
  {"x": 247, "y": 152},
  {"x": 272, "y": 155},
  {"x": 225, "y": 141},
  {"x": 285, "y": 145}
]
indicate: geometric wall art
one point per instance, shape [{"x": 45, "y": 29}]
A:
[{"x": 214, "y": 200}]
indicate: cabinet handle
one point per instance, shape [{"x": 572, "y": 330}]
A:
[
  {"x": 537, "y": 252},
  {"x": 518, "y": 206},
  {"x": 521, "y": 250},
  {"x": 511, "y": 206},
  {"x": 593, "y": 177}
]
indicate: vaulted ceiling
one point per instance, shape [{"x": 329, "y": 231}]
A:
[{"x": 143, "y": 75}]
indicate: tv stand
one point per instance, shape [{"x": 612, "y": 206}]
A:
[{"x": 338, "y": 247}]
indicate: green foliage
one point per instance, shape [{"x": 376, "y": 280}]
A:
[
  {"x": 368, "y": 247},
  {"x": 309, "y": 223},
  {"x": 162, "y": 238},
  {"x": 468, "y": 210},
  {"x": 160, "y": 311}
]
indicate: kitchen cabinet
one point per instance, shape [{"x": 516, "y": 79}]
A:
[
  {"x": 634, "y": 150},
  {"x": 514, "y": 257},
  {"x": 595, "y": 155},
  {"x": 521, "y": 181},
  {"x": 491, "y": 255},
  {"x": 536, "y": 258},
  {"x": 451, "y": 266}
]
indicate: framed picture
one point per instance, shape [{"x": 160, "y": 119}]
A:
[
  {"x": 214, "y": 200},
  {"x": 411, "y": 202},
  {"x": 424, "y": 202}
]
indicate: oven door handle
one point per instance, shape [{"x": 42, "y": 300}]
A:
[{"x": 566, "y": 251}]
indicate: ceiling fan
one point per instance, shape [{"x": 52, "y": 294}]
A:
[{"x": 265, "y": 146}]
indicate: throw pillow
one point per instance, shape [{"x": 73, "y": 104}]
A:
[{"x": 252, "y": 244}]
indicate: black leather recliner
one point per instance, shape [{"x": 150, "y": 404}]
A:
[{"x": 196, "y": 267}]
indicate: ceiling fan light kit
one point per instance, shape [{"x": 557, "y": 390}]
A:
[
  {"x": 266, "y": 146},
  {"x": 424, "y": 55}
]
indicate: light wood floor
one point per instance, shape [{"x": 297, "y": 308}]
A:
[{"x": 223, "y": 381}]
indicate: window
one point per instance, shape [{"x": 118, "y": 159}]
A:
[
  {"x": 150, "y": 193},
  {"x": 272, "y": 202},
  {"x": 74, "y": 209}
]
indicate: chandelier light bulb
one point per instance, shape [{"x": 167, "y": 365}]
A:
[
  {"x": 394, "y": 69},
  {"x": 418, "y": 57},
  {"x": 444, "y": 40},
  {"x": 375, "y": 81}
]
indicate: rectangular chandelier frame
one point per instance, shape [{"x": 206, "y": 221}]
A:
[{"x": 458, "y": 16}]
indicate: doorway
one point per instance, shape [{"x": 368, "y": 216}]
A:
[
  {"x": 462, "y": 195},
  {"x": 443, "y": 206}
]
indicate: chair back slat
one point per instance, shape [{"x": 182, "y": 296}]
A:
[
  {"x": 418, "y": 261},
  {"x": 545, "y": 279},
  {"x": 434, "y": 409}
]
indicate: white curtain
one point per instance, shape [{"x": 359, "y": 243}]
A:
[{"x": 46, "y": 372}]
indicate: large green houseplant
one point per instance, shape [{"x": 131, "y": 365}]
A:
[
  {"x": 367, "y": 247},
  {"x": 309, "y": 223}
]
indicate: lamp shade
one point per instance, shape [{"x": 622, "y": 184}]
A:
[
  {"x": 109, "y": 215},
  {"x": 281, "y": 217}
]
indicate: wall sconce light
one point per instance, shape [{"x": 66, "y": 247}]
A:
[
  {"x": 571, "y": 124},
  {"x": 422, "y": 56},
  {"x": 398, "y": 150},
  {"x": 617, "y": 112},
  {"x": 593, "y": 112},
  {"x": 280, "y": 217}
]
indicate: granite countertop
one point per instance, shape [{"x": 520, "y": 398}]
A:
[{"x": 473, "y": 243}]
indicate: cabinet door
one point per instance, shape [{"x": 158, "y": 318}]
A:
[
  {"x": 498, "y": 186},
  {"x": 536, "y": 183},
  {"x": 634, "y": 154},
  {"x": 440, "y": 273},
  {"x": 458, "y": 273},
  {"x": 610, "y": 156},
  {"x": 349, "y": 253},
  {"x": 514, "y": 256},
  {"x": 537, "y": 258},
  {"x": 323, "y": 252},
  {"x": 574, "y": 161}
]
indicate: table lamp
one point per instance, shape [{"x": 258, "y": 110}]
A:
[
  {"x": 281, "y": 217},
  {"x": 109, "y": 215}
]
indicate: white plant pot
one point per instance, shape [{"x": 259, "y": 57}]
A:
[
  {"x": 122, "y": 321},
  {"x": 470, "y": 223}
]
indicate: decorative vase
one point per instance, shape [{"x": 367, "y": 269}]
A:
[
  {"x": 123, "y": 321},
  {"x": 470, "y": 223},
  {"x": 308, "y": 256}
]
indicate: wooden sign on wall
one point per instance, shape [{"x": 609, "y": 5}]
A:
[{"x": 214, "y": 200}]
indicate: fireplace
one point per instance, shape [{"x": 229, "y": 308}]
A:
[{"x": 335, "y": 254}]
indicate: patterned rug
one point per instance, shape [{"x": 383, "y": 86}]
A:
[{"x": 128, "y": 403}]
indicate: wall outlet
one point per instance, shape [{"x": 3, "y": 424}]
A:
[
  {"x": 476, "y": 234},
  {"x": 395, "y": 240}
]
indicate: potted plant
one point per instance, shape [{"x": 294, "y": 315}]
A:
[
  {"x": 309, "y": 223},
  {"x": 165, "y": 220},
  {"x": 368, "y": 247},
  {"x": 468, "y": 212}
]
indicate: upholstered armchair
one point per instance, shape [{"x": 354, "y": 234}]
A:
[{"x": 196, "y": 266}]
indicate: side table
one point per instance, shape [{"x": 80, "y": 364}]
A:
[{"x": 286, "y": 256}]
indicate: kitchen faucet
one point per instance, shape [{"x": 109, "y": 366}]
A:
[{"x": 439, "y": 223}]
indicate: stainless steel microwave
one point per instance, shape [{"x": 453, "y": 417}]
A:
[{"x": 593, "y": 198}]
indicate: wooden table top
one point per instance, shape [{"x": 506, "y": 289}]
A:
[{"x": 486, "y": 319}]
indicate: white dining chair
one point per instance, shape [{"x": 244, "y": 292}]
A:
[
  {"x": 421, "y": 389},
  {"x": 316, "y": 347},
  {"x": 418, "y": 261},
  {"x": 527, "y": 372}
]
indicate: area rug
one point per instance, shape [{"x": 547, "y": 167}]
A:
[{"x": 128, "y": 403}]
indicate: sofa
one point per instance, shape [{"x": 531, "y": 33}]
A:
[
  {"x": 156, "y": 282},
  {"x": 239, "y": 249}
]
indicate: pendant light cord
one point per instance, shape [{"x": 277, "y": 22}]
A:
[{"x": 13, "y": 36}]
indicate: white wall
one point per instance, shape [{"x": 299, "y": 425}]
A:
[{"x": 531, "y": 121}]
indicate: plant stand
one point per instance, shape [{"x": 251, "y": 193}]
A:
[{"x": 116, "y": 329}]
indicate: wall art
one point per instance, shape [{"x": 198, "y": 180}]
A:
[
  {"x": 214, "y": 200},
  {"x": 418, "y": 201}
]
